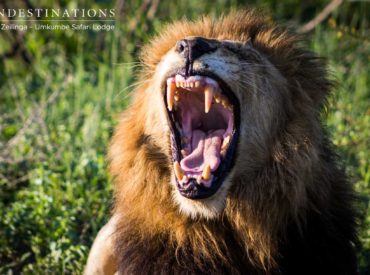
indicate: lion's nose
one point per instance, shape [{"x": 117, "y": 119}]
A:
[{"x": 193, "y": 48}]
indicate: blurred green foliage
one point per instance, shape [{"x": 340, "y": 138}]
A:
[{"x": 61, "y": 91}]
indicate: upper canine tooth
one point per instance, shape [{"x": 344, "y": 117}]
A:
[
  {"x": 206, "y": 172},
  {"x": 171, "y": 89},
  {"x": 178, "y": 171},
  {"x": 208, "y": 95}
]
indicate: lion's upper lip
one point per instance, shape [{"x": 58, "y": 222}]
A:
[{"x": 203, "y": 122}]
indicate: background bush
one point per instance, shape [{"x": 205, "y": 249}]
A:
[{"x": 61, "y": 92}]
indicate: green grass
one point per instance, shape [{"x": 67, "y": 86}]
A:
[
  {"x": 54, "y": 187},
  {"x": 348, "y": 117},
  {"x": 57, "y": 115}
]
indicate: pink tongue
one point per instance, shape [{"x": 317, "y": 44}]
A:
[{"x": 206, "y": 149}]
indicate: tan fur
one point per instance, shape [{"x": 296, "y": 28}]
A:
[{"x": 277, "y": 153}]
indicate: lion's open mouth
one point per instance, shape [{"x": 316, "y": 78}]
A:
[{"x": 204, "y": 119}]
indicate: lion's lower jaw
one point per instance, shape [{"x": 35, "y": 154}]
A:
[{"x": 209, "y": 208}]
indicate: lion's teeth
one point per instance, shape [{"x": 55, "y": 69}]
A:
[
  {"x": 177, "y": 97},
  {"x": 206, "y": 172},
  {"x": 184, "y": 153},
  {"x": 225, "y": 143},
  {"x": 199, "y": 179},
  {"x": 178, "y": 171},
  {"x": 171, "y": 89},
  {"x": 197, "y": 84},
  {"x": 226, "y": 104},
  {"x": 218, "y": 98},
  {"x": 208, "y": 95}
]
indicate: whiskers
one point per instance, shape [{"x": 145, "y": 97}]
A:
[
  {"x": 130, "y": 65},
  {"x": 250, "y": 82},
  {"x": 131, "y": 88}
]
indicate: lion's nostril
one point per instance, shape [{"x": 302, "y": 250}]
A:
[
  {"x": 193, "y": 48},
  {"x": 181, "y": 46}
]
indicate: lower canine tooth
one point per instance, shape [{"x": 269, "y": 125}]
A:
[
  {"x": 206, "y": 172},
  {"x": 178, "y": 171},
  {"x": 225, "y": 143},
  {"x": 208, "y": 96}
]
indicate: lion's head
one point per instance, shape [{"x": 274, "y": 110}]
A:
[{"x": 224, "y": 125}]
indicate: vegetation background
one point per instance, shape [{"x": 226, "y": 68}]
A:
[{"x": 61, "y": 93}]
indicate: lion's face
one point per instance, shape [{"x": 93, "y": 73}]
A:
[{"x": 221, "y": 97}]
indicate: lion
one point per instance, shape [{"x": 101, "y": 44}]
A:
[{"x": 221, "y": 163}]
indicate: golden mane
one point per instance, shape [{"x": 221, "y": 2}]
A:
[{"x": 255, "y": 215}]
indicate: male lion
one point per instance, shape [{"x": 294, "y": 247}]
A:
[{"x": 221, "y": 165}]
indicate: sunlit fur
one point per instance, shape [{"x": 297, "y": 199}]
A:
[{"x": 283, "y": 167}]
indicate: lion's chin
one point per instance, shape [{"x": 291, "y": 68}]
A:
[{"x": 208, "y": 208}]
